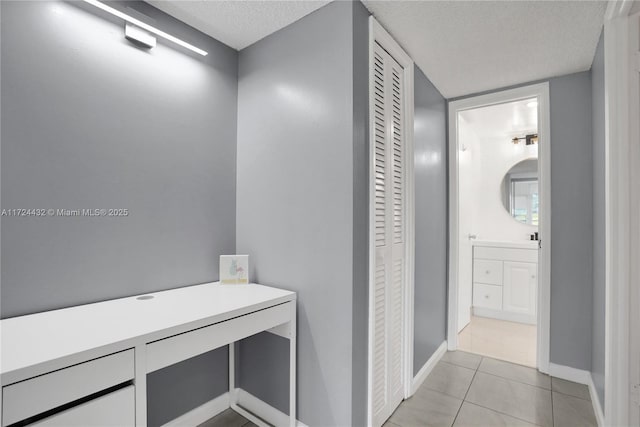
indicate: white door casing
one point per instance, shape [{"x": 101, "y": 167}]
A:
[
  {"x": 622, "y": 233},
  {"x": 391, "y": 226},
  {"x": 634, "y": 104},
  {"x": 543, "y": 304}
]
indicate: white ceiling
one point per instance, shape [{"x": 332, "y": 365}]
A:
[
  {"x": 238, "y": 23},
  {"x": 463, "y": 47},
  {"x": 517, "y": 118},
  {"x": 467, "y": 47}
]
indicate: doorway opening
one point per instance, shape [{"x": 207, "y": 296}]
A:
[{"x": 499, "y": 222}]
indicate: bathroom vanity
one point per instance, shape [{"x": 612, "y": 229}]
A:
[{"x": 505, "y": 280}]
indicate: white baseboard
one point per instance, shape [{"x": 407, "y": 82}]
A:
[
  {"x": 568, "y": 373},
  {"x": 582, "y": 377},
  {"x": 595, "y": 400},
  {"x": 202, "y": 413},
  {"x": 261, "y": 409},
  {"x": 424, "y": 372},
  {"x": 504, "y": 315}
]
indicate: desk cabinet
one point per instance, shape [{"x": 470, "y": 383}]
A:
[
  {"x": 113, "y": 409},
  {"x": 86, "y": 366},
  {"x": 43, "y": 393}
]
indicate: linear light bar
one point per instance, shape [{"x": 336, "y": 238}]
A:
[{"x": 147, "y": 27}]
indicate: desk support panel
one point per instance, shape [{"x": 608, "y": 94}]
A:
[{"x": 289, "y": 331}]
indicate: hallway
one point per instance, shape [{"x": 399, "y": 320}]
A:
[{"x": 465, "y": 389}]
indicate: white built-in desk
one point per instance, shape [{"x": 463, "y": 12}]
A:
[{"x": 87, "y": 365}]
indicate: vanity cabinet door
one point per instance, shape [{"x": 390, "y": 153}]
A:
[{"x": 520, "y": 287}]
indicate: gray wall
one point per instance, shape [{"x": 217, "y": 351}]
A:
[
  {"x": 430, "y": 163},
  {"x": 360, "y": 322},
  {"x": 296, "y": 200},
  {"x": 89, "y": 121},
  {"x": 571, "y": 220},
  {"x": 598, "y": 337}
]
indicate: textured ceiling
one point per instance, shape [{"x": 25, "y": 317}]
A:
[
  {"x": 238, "y": 23},
  {"x": 463, "y": 47},
  {"x": 467, "y": 47}
]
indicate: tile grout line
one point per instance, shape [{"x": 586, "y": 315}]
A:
[
  {"x": 571, "y": 395},
  {"x": 500, "y": 412},
  {"x": 494, "y": 410},
  {"x": 516, "y": 381},
  {"x": 464, "y": 399},
  {"x": 553, "y": 420}
]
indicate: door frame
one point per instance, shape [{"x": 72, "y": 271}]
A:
[
  {"x": 377, "y": 34},
  {"x": 541, "y": 91},
  {"x": 622, "y": 275}
]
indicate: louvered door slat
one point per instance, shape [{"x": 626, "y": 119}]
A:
[
  {"x": 388, "y": 181},
  {"x": 381, "y": 171}
]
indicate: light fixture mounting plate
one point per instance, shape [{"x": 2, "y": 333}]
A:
[{"x": 139, "y": 36}]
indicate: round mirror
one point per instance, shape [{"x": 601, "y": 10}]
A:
[{"x": 520, "y": 191}]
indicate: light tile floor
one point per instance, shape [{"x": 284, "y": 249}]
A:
[
  {"x": 228, "y": 418},
  {"x": 510, "y": 341},
  {"x": 466, "y": 389}
]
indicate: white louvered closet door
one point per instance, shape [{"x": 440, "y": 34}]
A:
[{"x": 389, "y": 169}]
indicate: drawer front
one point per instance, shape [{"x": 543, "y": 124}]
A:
[
  {"x": 180, "y": 347},
  {"x": 113, "y": 409},
  {"x": 39, "y": 394},
  {"x": 487, "y": 296},
  {"x": 487, "y": 271}
]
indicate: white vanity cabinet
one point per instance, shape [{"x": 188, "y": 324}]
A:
[{"x": 505, "y": 280}]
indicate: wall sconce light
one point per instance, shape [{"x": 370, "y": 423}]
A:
[{"x": 141, "y": 33}]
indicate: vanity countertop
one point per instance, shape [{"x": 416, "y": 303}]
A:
[{"x": 523, "y": 244}]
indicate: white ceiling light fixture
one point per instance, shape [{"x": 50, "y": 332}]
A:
[{"x": 146, "y": 27}]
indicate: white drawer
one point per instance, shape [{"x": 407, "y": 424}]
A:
[
  {"x": 177, "y": 348},
  {"x": 39, "y": 394},
  {"x": 487, "y": 271},
  {"x": 487, "y": 296},
  {"x": 113, "y": 409}
]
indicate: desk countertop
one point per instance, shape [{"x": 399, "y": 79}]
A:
[{"x": 35, "y": 342}]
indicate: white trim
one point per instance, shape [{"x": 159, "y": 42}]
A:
[
  {"x": 202, "y": 413},
  {"x": 426, "y": 369},
  {"x": 580, "y": 376},
  {"x": 568, "y": 373},
  {"x": 377, "y": 34},
  {"x": 618, "y": 214},
  {"x": 634, "y": 345},
  {"x": 597, "y": 408},
  {"x": 250, "y": 407},
  {"x": 541, "y": 91}
]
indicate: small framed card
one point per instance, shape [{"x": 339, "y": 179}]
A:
[{"x": 234, "y": 269}]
